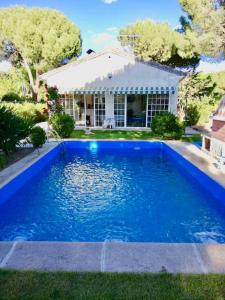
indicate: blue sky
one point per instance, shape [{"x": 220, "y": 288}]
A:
[{"x": 99, "y": 20}]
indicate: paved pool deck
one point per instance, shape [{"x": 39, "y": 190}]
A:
[
  {"x": 18, "y": 167},
  {"x": 113, "y": 257},
  {"x": 116, "y": 256},
  {"x": 200, "y": 159}
]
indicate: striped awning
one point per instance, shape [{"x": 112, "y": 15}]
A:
[{"x": 125, "y": 90}]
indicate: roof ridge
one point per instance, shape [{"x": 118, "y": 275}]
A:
[{"x": 116, "y": 51}]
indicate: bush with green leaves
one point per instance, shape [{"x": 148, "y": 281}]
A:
[
  {"x": 63, "y": 124},
  {"x": 28, "y": 110},
  {"x": 12, "y": 97},
  {"x": 37, "y": 137},
  {"x": 3, "y": 161},
  {"x": 192, "y": 115},
  {"x": 167, "y": 125},
  {"x": 12, "y": 129}
]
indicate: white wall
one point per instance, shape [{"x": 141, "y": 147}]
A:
[
  {"x": 173, "y": 103},
  {"x": 126, "y": 72},
  {"x": 109, "y": 106}
]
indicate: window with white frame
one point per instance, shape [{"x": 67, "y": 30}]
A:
[
  {"x": 68, "y": 104},
  {"x": 119, "y": 110},
  {"x": 74, "y": 106},
  {"x": 157, "y": 103},
  {"x": 99, "y": 110}
]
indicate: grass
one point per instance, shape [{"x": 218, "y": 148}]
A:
[
  {"x": 126, "y": 135},
  {"x": 58, "y": 285},
  {"x": 113, "y": 134},
  {"x": 192, "y": 138}
]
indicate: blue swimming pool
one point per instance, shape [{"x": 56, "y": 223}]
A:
[{"x": 117, "y": 191}]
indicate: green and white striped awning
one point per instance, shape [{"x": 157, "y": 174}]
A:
[{"x": 126, "y": 90}]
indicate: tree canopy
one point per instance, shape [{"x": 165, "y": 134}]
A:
[
  {"x": 14, "y": 82},
  {"x": 205, "y": 23},
  {"x": 203, "y": 32},
  {"x": 157, "y": 41},
  {"x": 203, "y": 91},
  {"x": 39, "y": 38}
]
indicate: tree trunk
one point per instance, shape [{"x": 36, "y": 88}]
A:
[
  {"x": 37, "y": 84},
  {"x": 34, "y": 89}
]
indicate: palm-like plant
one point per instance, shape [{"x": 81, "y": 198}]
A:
[{"x": 12, "y": 129}]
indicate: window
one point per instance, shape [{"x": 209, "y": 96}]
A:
[
  {"x": 136, "y": 110},
  {"x": 157, "y": 103},
  {"x": 99, "y": 110},
  {"x": 119, "y": 109},
  {"x": 68, "y": 104},
  {"x": 74, "y": 106}
]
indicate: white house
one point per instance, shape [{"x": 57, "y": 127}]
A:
[{"x": 114, "y": 88}]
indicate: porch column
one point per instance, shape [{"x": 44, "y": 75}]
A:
[
  {"x": 85, "y": 110},
  {"x": 125, "y": 111},
  {"x": 173, "y": 102},
  {"x": 94, "y": 111},
  {"x": 109, "y": 105},
  {"x": 146, "y": 119}
]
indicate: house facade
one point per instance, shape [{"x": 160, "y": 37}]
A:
[
  {"x": 214, "y": 142},
  {"x": 113, "y": 89}
]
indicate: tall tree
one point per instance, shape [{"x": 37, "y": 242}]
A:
[
  {"x": 205, "y": 22},
  {"x": 38, "y": 38},
  {"x": 14, "y": 82},
  {"x": 157, "y": 41}
]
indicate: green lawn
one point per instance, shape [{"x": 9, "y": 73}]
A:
[
  {"x": 35, "y": 285},
  {"x": 112, "y": 134},
  {"x": 126, "y": 135}
]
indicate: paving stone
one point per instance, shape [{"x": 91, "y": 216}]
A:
[
  {"x": 213, "y": 256},
  {"x": 151, "y": 257},
  {"x": 54, "y": 256},
  {"x": 4, "y": 249}
]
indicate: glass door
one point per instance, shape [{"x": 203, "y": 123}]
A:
[
  {"x": 136, "y": 110},
  {"x": 69, "y": 105},
  {"x": 119, "y": 110},
  {"x": 99, "y": 110},
  {"x": 79, "y": 110},
  {"x": 157, "y": 103}
]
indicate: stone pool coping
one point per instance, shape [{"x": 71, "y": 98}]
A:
[
  {"x": 200, "y": 159},
  {"x": 18, "y": 167},
  {"x": 115, "y": 256}
]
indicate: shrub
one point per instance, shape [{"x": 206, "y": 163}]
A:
[
  {"x": 3, "y": 161},
  {"x": 63, "y": 124},
  {"x": 192, "y": 115},
  {"x": 37, "y": 137},
  {"x": 167, "y": 125},
  {"x": 12, "y": 97},
  {"x": 34, "y": 112},
  {"x": 12, "y": 129},
  {"x": 40, "y": 116}
]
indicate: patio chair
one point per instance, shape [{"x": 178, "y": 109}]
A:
[{"x": 109, "y": 123}]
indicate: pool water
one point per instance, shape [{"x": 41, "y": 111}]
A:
[{"x": 97, "y": 193}]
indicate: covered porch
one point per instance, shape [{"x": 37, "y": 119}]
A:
[{"x": 128, "y": 108}]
